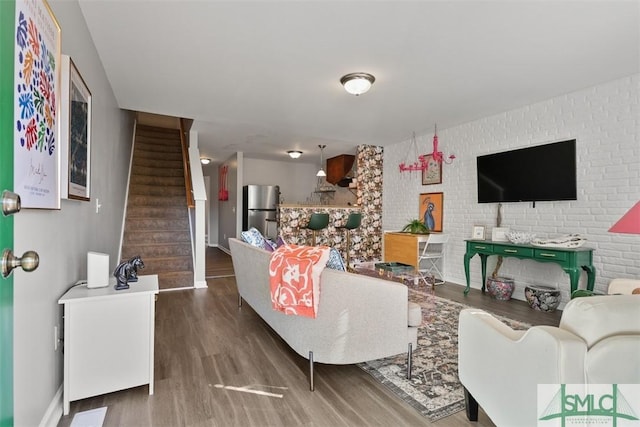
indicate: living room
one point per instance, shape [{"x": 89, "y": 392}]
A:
[{"x": 603, "y": 118}]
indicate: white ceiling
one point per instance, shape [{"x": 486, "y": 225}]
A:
[{"x": 262, "y": 77}]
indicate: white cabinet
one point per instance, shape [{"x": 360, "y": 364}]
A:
[{"x": 108, "y": 338}]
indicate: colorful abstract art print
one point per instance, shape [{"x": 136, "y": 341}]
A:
[
  {"x": 37, "y": 90},
  {"x": 431, "y": 210}
]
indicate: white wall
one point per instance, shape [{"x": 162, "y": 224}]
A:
[
  {"x": 604, "y": 120},
  {"x": 62, "y": 238},
  {"x": 229, "y": 222},
  {"x": 297, "y": 180}
]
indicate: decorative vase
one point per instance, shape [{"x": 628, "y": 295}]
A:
[
  {"x": 542, "y": 298},
  {"x": 500, "y": 288}
]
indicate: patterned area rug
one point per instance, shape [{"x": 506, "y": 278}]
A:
[{"x": 434, "y": 389}]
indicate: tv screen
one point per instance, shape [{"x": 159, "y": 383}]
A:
[{"x": 541, "y": 173}]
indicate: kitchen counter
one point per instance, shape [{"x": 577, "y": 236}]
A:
[
  {"x": 316, "y": 206},
  {"x": 293, "y": 217}
]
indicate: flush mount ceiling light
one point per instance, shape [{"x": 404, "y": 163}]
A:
[
  {"x": 205, "y": 161},
  {"x": 321, "y": 172},
  {"x": 294, "y": 154},
  {"x": 357, "y": 83}
]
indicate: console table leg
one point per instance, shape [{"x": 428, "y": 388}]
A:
[
  {"x": 483, "y": 263},
  {"x": 574, "y": 277},
  {"x": 591, "y": 276},
  {"x": 467, "y": 257}
]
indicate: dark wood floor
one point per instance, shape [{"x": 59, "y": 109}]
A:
[
  {"x": 217, "y": 264},
  {"x": 204, "y": 343}
]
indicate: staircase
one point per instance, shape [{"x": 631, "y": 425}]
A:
[{"x": 157, "y": 220}]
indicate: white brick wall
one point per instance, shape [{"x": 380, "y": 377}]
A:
[{"x": 605, "y": 122}]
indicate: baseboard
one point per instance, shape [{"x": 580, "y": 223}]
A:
[
  {"x": 225, "y": 250},
  {"x": 53, "y": 414},
  {"x": 200, "y": 284}
]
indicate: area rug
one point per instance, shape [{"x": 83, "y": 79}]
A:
[{"x": 434, "y": 389}]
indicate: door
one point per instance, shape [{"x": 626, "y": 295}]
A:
[
  {"x": 7, "y": 16},
  {"x": 9, "y": 204}
]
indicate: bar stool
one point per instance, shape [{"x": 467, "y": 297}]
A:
[
  {"x": 317, "y": 222},
  {"x": 353, "y": 222}
]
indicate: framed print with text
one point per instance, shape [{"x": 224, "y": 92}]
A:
[{"x": 36, "y": 154}]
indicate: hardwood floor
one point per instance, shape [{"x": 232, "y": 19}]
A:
[
  {"x": 205, "y": 343},
  {"x": 217, "y": 264}
]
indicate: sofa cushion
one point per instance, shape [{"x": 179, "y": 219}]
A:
[
  {"x": 599, "y": 317},
  {"x": 614, "y": 360}
]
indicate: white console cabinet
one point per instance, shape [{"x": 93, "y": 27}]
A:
[{"x": 108, "y": 338}]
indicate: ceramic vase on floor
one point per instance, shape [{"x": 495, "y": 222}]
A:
[
  {"x": 500, "y": 288},
  {"x": 542, "y": 298}
]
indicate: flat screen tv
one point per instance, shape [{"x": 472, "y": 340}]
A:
[{"x": 540, "y": 173}]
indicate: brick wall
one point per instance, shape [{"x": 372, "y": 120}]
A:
[{"x": 605, "y": 122}]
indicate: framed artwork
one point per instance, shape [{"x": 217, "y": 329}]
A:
[
  {"x": 431, "y": 210},
  {"x": 36, "y": 158},
  {"x": 478, "y": 232},
  {"x": 499, "y": 234},
  {"x": 433, "y": 173},
  {"x": 75, "y": 133}
]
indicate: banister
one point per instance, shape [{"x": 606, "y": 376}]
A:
[{"x": 186, "y": 165}]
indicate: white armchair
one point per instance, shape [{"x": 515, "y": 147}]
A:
[
  {"x": 598, "y": 342},
  {"x": 624, "y": 286}
]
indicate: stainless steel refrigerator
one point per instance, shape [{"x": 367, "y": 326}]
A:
[{"x": 260, "y": 208}]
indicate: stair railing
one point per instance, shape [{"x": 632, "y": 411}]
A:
[{"x": 186, "y": 165}]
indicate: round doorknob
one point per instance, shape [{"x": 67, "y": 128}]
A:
[
  {"x": 29, "y": 261},
  {"x": 10, "y": 203}
]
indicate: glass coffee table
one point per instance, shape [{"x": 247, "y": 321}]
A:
[{"x": 396, "y": 272}]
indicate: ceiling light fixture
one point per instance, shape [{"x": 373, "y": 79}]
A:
[
  {"x": 357, "y": 83},
  {"x": 321, "y": 172},
  {"x": 205, "y": 160},
  {"x": 294, "y": 154}
]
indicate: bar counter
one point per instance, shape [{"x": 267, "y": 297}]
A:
[{"x": 293, "y": 217}]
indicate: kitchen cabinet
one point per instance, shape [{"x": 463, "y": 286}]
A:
[{"x": 339, "y": 167}]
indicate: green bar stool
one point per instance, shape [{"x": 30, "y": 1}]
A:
[
  {"x": 353, "y": 222},
  {"x": 317, "y": 222}
]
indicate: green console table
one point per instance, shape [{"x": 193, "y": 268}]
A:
[{"x": 571, "y": 260}]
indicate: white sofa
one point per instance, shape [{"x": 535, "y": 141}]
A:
[
  {"x": 597, "y": 342},
  {"x": 359, "y": 318}
]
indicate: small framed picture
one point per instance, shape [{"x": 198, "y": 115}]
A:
[
  {"x": 499, "y": 234},
  {"x": 478, "y": 232},
  {"x": 433, "y": 173}
]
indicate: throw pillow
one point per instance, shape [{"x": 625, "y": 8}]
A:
[
  {"x": 335, "y": 260},
  {"x": 253, "y": 237},
  {"x": 280, "y": 242}
]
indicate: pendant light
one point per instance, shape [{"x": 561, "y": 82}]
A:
[{"x": 321, "y": 172}]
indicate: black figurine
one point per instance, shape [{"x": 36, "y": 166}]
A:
[
  {"x": 136, "y": 263},
  {"x": 127, "y": 271}
]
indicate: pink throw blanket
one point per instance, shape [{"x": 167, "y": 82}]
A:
[{"x": 294, "y": 276}]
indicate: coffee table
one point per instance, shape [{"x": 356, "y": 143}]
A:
[{"x": 407, "y": 277}]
